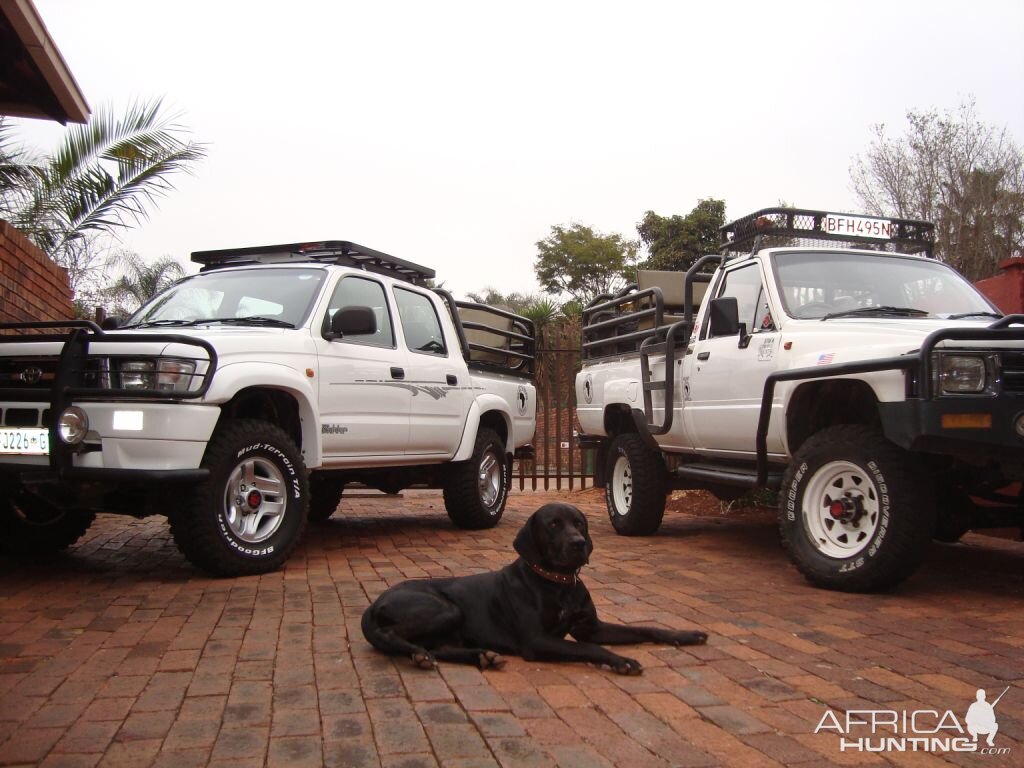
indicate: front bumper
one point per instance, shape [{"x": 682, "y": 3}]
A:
[{"x": 929, "y": 426}]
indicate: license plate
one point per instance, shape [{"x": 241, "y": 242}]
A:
[
  {"x": 860, "y": 226},
  {"x": 24, "y": 441}
]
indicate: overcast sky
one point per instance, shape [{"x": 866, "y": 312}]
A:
[{"x": 455, "y": 134}]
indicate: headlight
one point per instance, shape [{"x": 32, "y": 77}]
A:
[
  {"x": 960, "y": 374},
  {"x": 165, "y": 374}
]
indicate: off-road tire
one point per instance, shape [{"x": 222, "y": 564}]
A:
[
  {"x": 635, "y": 486},
  {"x": 245, "y": 456},
  {"x": 893, "y": 509},
  {"x": 475, "y": 491},
  {"x": 324, "y": 496},
  {"x": 31, "y": 526}
]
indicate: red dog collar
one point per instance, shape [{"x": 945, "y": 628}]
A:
[{"x": 558, "y": 578}]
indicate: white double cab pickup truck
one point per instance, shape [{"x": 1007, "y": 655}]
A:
[
  {"x": 829, "y": 357},
  {"x": 242, "y": 400}
]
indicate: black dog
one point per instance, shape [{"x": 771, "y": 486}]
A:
[{"x": 525, "y": 609}]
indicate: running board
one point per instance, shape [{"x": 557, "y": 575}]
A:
[{"x": 724, "y": 474}]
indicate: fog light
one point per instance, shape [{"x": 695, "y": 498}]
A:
[{"x": 73, "y": 425}]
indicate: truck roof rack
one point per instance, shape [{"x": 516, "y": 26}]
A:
[
  {"x": 774, "y": 227},
  {"x": 325, "y": 251}
]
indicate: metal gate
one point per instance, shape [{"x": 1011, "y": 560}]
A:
[{"x": 558, "y": 462}]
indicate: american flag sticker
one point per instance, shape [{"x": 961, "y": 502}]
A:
[{"x": 826, "y": 358}]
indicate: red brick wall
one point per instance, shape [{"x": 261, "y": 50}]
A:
[
  {"x": 1006, "y": 290},
  {"x": 32, "y": 287}
]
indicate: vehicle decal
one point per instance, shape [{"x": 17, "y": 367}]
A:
[
  {"x": 436, "y": 390},
  {"x": 766, "y": 350}
]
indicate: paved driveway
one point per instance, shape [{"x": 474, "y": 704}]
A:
[{"x": 120, "y": 653}]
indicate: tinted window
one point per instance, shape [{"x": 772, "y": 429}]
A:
[
  {"x": 745, "y": 286},
  {"x": 420, "y": 324},
  {"x": 361, "y": 292}
]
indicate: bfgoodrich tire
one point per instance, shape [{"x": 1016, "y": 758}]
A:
[
  {"x": 635, "y": 486},
  {"x": 30, "y": 525},
  {"x": 249, "y": 515},
  {"x": 476, "y": 490},
  {"x": 855, "y": 513}
]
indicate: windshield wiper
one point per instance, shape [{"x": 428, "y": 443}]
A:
[
  {"x": 962, "y": 315},
  {"x": 250, "y": 320},
  {"x": 883, "y": 310},
  {"x": 158, "y": 323}
]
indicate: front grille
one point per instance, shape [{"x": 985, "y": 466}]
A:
[
  {"x": 1012, "y": 364},
  {"x": 24, "y": 417},
  {"x": 41, "y": 372}
]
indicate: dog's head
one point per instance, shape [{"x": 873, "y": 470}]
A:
[{"x": 555, "y": 537}]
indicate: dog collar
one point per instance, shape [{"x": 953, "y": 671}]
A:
[{"x": 558, "y": 578}]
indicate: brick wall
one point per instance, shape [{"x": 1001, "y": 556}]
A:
[
  {"x": 32, "y": 287},
  {"x": 1006, "y": 290}
]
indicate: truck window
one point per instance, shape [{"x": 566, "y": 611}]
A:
[
  {"x": 361, "y": 292},
  {"x": 745, "y": 285},
  {"x": 420, "y": 324}
]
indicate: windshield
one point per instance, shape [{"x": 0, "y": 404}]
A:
[
  {"x": 829, "y": 284},
  {"x": 281, "y": 296}
]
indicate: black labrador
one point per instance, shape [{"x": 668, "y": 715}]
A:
[{"x": 525, "y": 609}]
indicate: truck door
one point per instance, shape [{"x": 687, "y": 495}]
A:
[
  {"x": 727, "y": 374},
  {"x": 364, "y": 402},
  {"x": 436, "y": 376}
]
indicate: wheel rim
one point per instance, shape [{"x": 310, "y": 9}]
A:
[
  {"x": 622, "y": 486},
  {"x": 489, "y": 479},
  {"x": 255, "y": 500},
  {"x": 841, "y": 510}
]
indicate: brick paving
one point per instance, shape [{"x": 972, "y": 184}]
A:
[{"x": 120, "y": 653}]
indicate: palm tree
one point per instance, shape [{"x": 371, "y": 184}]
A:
[
  {"x": 101, "y": 179},
  {"x": 140, "y": 281}
]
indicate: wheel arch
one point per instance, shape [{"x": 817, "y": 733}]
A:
[
  {"x": 490, "y": 412},
  {"x": 822, "y": 403},
  {"x": 285, "y": 408}
]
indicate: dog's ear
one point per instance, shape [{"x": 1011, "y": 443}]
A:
[
  {"x": 526, "y": 544},
  {"x": 586, "y": 532}
]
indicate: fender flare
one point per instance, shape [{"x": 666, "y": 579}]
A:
[
  {"x": 481, "y": 405},
  {"x": 259, "y": 375}
]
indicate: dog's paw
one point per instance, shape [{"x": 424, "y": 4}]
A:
[
  {"x": 424, "y": 660},
  {"x": 690, "y": 638},
  {"x": 492, "y": 660},
  {"x": 624, "y": 666}
]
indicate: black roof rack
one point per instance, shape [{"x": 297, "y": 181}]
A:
[
  {"x": 329, "y": 251},
  {"x": 772, "y": 227}
]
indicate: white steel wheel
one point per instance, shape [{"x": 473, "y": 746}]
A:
[
  {"x": 621, "y": 486},
  {"x": 841, "y": 509}
]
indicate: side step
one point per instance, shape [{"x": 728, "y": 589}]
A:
[{"x": 707, "y": 473}]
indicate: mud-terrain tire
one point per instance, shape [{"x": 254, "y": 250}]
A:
[
  {"x": 31, "y": 526},
  {"x": 475, "y": 491},
  {"x": 324, "y": 496},
  {"x": 855, "y": 512},
  {"x": 250, "y": 513},
  {"x": 635, "y": 486}
]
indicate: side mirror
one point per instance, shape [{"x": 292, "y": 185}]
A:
[
  {"x": 353, "y": 321},
  {"x": 725, "y": 316}
]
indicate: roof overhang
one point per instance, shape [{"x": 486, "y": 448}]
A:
[{"x": 34, "y": 79}]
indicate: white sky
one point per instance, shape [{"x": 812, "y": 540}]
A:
[{"x": 455, "y": 134}]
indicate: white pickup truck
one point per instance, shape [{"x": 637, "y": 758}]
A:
[
  {"x": 827, "y": 356},
  {"x": 242, "y": 400}
]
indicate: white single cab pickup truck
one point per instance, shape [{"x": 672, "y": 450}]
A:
[
  {"x": 242, "y": 400},
  {"x": 827, "y": 356}
]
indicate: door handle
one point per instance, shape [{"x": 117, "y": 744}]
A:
[
  {"x": 397, "y": 373},
  {"x": 703, "y": 355},
  {"x": 452, "y": 379}
]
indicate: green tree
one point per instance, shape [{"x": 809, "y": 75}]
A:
[
  {"x": 140, "y": 280},
  {"x": 956, "y": 171},
  {"x": 676, "y": 242},
  {"x": 582, "y": 263},
  {"x": 103, "y": 178}
]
